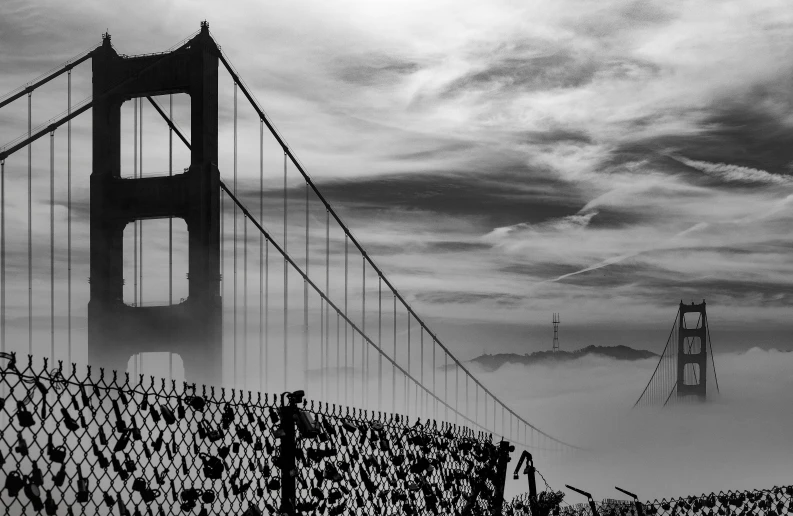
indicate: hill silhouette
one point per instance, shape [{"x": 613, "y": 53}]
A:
[{"x": 493, "y": 362}]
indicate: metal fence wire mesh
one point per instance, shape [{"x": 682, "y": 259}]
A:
[
  {"x": 777, "y": 501},
  {"x": 95, "y": 444}
]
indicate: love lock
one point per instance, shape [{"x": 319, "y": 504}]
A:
[
  {"x": 24, "y": 416},
  {"x": 50, "y": 508},
  {"x": 34, "y": 495},
  {"x": 139, "y": 484},
  {"x": 167, "y": 414},
  {"x": 149, "y": 495},
  {"x": 211, "y": 433},
  {"x": 273, "y": 484},
  {"x": 82, "y": 488},
  {"x": 58, "y": 454},
  {"x": 129, "y": 464},
  {"x": 121, "y": 443},
  {"x": 189, "y": 495},
  {"x": 331, "y": 473},
  {"x": 213, "y": 466},
  {"x": 223, "y": 451},
  {"x": 60, "y": 476},
  {"x": 197, "y": 403},
  {"x": 14, "y": 483},
  {"x": 22, "y": 446},
  {"x": 35, "y": 476},
  {"x": 208, "y": 496},
  {"x": 244, "y": 434}
]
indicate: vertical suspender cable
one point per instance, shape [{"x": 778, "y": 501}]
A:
[
  {"x": 234, "y": 302},
  {"x": 446, "y": 383},
  {"x": 69, "y": 218},
  {"x": 327, "y": 292},
  {"x": 2, "y": 255},
  {"x": 30, "y": 230},
  {"x": 393, "y": 366},
  {"x": 245, "y": 301},
  {"x": 262, "y": 366},
  {"x": 407, "y": 385},
  {"x": 380, "y": 341},
  {"x": 476, "y": 404},
  {"x": 286, "y": 283},
  {"x": 338, "y": 358},
  {"x": 456, "y": 391},
  {"x": 346, "y": 241},
  {"x": 170, "y": 223},
  {"x": 52, "y": 246},
  {"x": 267, "y": 314},
  {"x": 434, "y": 392},
  {"x": 305, "y": 302},
  {"x": 222, "y": 248},
  {"x": 364, "y": 344},
  {"x": 421, "y": 336}
]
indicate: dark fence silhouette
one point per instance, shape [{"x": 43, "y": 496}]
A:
[
  {"x": 777, "y": 501},
  {"x": 96, "y": 443}
]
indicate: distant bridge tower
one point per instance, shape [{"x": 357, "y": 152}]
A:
[
  {"x": 192, "y": 328},
  {"x": 682, "y": 371},
  {"x": 692, "y": 357},
  {"x": 556, "y": 321}
]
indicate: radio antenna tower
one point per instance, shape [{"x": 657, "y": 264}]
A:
[{"x": 556, "y": 322}]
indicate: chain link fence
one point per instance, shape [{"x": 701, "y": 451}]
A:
[
  {"x": 777, "y": 501},
  {"x": 94, "y": 443}
]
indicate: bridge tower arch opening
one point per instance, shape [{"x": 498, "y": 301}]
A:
[{"x": 191, "y": 328}]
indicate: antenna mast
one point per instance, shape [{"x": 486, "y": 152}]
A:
[{"x": 556, "y": 322}]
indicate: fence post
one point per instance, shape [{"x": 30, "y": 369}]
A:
[
  {"x": 529, "y": 471},
  {"x": 504, "y": 449},
  {"x": 288, "y": 456},
  {"x": 636, "y": 502}
]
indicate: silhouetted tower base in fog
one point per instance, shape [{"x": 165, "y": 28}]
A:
[
  {"x": 692, "y": 357},
  {"x": 192, "y": 328}
]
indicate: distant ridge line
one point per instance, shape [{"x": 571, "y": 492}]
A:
[{"x": 493, "y": 362}]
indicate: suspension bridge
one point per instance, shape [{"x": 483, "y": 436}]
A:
[
  {"x": 681, "y": 374},
  {"x": 266, "y": 287}
]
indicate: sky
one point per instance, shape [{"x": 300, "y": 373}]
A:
[
  {"x": 506, "y": 160},
  {"x": 499, "y": 160}
]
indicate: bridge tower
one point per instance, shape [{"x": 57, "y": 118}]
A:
[
  {"x": 192, "y": 328},
  {"x": 692, "y": 351}
]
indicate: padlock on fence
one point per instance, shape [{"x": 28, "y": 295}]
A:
[
  {"x": 208, "y": 496},
  {"x": 34, "y": 495},
  {"x": 213, "y": 434},
  {"x": 82, "y": 488},
  {"x": 22, "y": 446},
  {"x": 14, "y": 483},
  {"x": 60, "y": 476},
  {"x": 213, "y": 466},
  {"x": 167, "y": 414},
  {"x": 196, "y": 403},
  {"x": 24, "y": 416},
  {"x": 50, "y": 507}
]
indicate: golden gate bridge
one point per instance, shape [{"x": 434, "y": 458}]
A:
[{"x": 325, "y": 316}]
